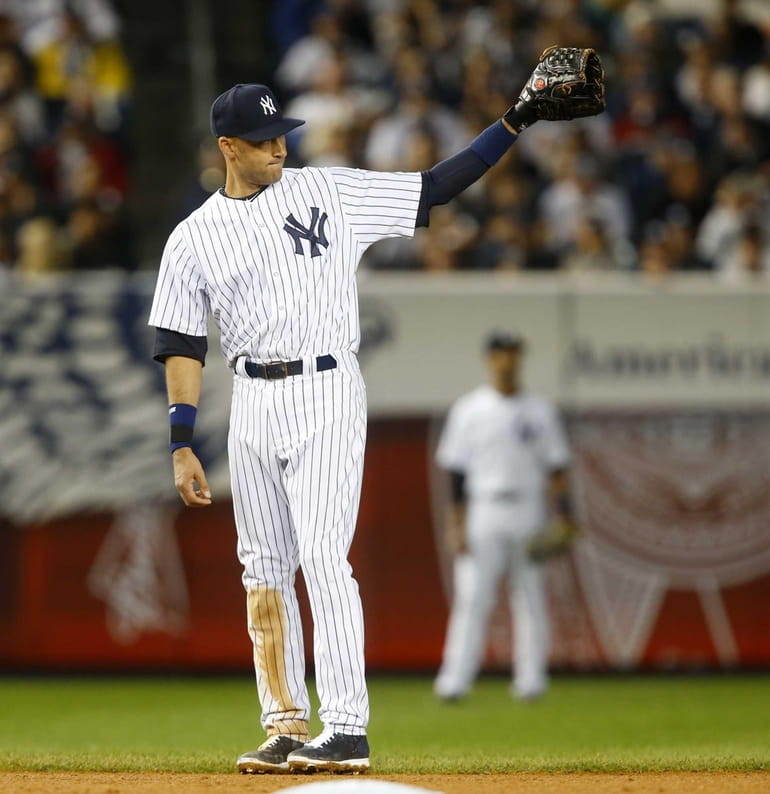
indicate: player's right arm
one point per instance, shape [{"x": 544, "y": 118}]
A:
[
  {"x": 453, "y": 456},
  {"x": 183, "y": 384},
  {"x": 455, "y": 535},
  {"x": 180, "y": 312}
]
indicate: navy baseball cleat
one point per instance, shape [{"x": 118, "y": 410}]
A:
[
  {"x": 331, "y": 752},
  {"x": 270, "y": 756}
]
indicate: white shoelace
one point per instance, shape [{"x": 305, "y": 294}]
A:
[
  {"x": 268, "y": 743},
  {"x": 322, "y": 738}
]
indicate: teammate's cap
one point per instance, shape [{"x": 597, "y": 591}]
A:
[
  {"x": 249, "y": 111},
  {"x": 504, "y": 340}
]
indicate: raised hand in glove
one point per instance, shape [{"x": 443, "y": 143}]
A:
[{"x": 567, "y": 83}]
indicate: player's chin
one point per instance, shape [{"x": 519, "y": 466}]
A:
[{"x": 275, "y": 172}]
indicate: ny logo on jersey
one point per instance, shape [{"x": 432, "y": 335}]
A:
[
  {"x": 268, "y": 105},
  {"x": 526, "y": 432},
  {"x": 298, "y": 232}
]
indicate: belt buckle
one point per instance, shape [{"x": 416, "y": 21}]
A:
[{"x": 283, "y": 370}]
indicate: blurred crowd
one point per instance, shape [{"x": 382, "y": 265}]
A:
[
  {"x": 64, "y": 96},
  {"x": 674, "y": 176}
]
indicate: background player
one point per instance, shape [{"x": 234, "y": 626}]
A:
[
  {"x": 507, "y": 457},
  {"x": 272, "y": 257}
]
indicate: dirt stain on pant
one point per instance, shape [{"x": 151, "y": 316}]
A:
[{"x": 267, "y": 628}]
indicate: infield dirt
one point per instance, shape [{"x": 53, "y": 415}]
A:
[{"x": 156, "y": 783}]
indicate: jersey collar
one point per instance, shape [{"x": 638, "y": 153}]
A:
[{"x": 250, "y": 197}]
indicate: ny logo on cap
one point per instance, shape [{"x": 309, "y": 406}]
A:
[
  {"x": 299, "y": 233},
  {"x": 267, "y": 105}
]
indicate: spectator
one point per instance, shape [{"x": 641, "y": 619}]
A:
[
  {"x": 504, "y": 212},
  {"x": 694, "y": 75},
  {"x": 310, "y": 54},
  {"x": 6, "y": 254},
  {"x": 80, "y": 158},
  {"x": 210, "y": 177},
  {"x": 738, "y": 40},
  {"x": 738, "y": 199},
  {"x": 679, "y": 231},
  {"x": 389, "y": 136},
  {"x": 593, "y": 250},
  {"x": 756, "y": 89},
  {"x": 18, "y": 100},
  {"x": 89, "y": 77},
  {"x": 490, "y": 29},
  {"x": 39, "y": 22},
  {"x": 748, "y": 257},
  {"x": 678, "y": 180},
  {"x": 447, "y": 239},
  {"x": 503, "y": 244},
  {"x": 64, "y": 89},
  {"x": 544, "y": 144},
  {"x": 95, "y": 238},
  {"x": 739, "y": 145},
  {"x": 331, "y": 108},
  {"x": 582, "y": 191},
  {"x": 655, "y": 257},
  {"x": 39, "y": 247}
]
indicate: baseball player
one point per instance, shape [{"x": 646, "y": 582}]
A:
[
  {"x": 507, "y": 457},
  {"x": 272, "y": 257}
]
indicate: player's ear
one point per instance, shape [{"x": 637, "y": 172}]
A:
[{"x": 226, "y": 147}]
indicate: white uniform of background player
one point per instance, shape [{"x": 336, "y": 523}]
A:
[{"x": 508, "y": 453}]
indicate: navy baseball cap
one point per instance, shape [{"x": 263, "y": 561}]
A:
[
  {"x": 503, "y": 340},
  {"x": 249, "y": 111}
]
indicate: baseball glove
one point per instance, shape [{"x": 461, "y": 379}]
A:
[
  {"x": 554, "y": 539},
  {"x": 567, "y": 83}
]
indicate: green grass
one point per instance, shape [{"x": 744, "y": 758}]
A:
[{"x": 584, "y": 724}]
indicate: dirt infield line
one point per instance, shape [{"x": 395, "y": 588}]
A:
[{"x": 158, "y": 783}]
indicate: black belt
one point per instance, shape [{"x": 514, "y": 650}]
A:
[
  {"x": 505, "y": 496},
  {"x": 277, "y": 370}
]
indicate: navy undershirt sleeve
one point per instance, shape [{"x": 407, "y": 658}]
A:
[
  {"x": 447, "y": 179},
  {"x": 457, "y": 485},
  {"x": 172, "y": 343},
  {"x": 450, "y": 177}
]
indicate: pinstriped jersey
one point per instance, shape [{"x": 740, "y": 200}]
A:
[{"x": 277, "y": 270}]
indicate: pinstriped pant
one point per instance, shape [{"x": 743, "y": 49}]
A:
[{"x": 296, "y": 449}]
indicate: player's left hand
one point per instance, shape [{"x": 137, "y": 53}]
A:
[
  {"x": 567, "y": 83},
  {"x": 554, "y": 539}
]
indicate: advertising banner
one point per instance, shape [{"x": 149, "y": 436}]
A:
[{"x": 664, "y": 389}]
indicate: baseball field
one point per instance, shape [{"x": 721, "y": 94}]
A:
[{"x": 619, "y": 733}]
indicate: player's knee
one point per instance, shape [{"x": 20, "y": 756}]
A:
[
  {"x": 277, "y": 576},
  {"x": 481, "y": 601},
  {"x": 322, "y": 566}
]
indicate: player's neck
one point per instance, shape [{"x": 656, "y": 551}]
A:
[
  {"x": 236, "y": 187},
  {"x": 506, "y": 386}
]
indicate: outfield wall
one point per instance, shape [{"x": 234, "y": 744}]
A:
[{"x": 664, "y": 387}]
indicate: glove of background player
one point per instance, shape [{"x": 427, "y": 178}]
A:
[
  {"x": 554, "y": 539},
  {"x": 567, "y": 83}
]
